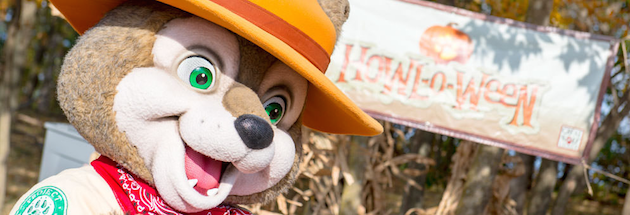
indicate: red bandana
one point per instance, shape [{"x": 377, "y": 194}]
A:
[{"x": 136, "y": 197}]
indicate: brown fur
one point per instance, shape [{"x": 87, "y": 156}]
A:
[
  {"x": 253, "y": 63},
  {"x": 338, "y": 12},
  {"x": 123, "y": 40},
  {"x": 93, "y": 68},
  {"x": 238, "y": 102}
]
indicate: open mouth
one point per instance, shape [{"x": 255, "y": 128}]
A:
[{"x": 203, "y": 172}]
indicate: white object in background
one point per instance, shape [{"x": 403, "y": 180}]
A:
[{"x": 64, "y": 148}]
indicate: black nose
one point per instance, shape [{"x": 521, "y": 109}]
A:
[{"x": 254, "y": 131}]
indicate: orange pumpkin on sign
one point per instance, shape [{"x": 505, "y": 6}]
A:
[{"x": 445, "y": 44}]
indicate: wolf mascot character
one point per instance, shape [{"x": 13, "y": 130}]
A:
[{"x": 194, "y": 105}]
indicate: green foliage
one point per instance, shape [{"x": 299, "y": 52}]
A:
[
  {"x": 51, "y": 38},
  {"x": 613, "y": 158}
]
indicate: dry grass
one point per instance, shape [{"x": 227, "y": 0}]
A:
[{"x": 349, "y": 175}]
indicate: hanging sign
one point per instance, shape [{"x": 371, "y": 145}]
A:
[{"x": 490, "y": 80}]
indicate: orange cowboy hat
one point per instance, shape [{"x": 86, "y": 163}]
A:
[{"x": 299, "y": 33}]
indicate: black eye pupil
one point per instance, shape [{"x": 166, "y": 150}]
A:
[
  {"x": 275, "y": 113},
  {"x": 201, "y": 79}
]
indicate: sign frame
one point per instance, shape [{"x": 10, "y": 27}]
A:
[{"x": 428, "y": 126}]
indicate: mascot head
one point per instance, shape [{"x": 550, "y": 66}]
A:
[{"x": 205, "y": 99}]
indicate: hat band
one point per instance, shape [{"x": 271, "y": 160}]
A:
[{"x": 281, "y": 29}]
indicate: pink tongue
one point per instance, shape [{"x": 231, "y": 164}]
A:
[{"x": 205, "y": 169}]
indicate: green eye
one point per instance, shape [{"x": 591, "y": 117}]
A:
[
  {"x": 198, "y": 72},
  {"x": 201, "y": 78},
  {"x": 275, "y": 109}
]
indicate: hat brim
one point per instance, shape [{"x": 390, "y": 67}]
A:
[{"x": 327, "y": 108}]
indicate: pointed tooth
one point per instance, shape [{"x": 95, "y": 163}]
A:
[
  {"x": 192, "y": 182},
  {"x": 212, "y": 192}
]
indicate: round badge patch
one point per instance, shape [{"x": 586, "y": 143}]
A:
[{"x": 47, "y": 200}]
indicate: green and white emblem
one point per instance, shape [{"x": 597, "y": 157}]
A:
[{"x": 47, "y": 200}]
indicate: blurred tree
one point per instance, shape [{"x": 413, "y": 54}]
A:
[
  {"x": 51, "y": 40},
  {"x": 459, "y": 169},
  {"x": 538, "y": 13},
  {"x": 420, "y": 143},
  {"x": 608, "y": 18},
  {"x": 33, "y": 43},
  {"x": 514, "y": 9},
  {"x": 351, "y": 195},
  {"x": 477, "y": 190},
  {"x": 520, "y": 185},
  {"x": 13, "y": 63},
  {"x": 545, "y": 183}
]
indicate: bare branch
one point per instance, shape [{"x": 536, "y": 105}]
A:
[
  {"x": 614, "y": 94},
  {"x": 625, "y": 56}
]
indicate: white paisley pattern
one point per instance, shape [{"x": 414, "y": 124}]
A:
[
  {"x": 144, "y": 202},
  {"x": 148, "y": 203}
]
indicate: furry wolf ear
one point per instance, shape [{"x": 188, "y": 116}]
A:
[{"x": 338, "y": 12}]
